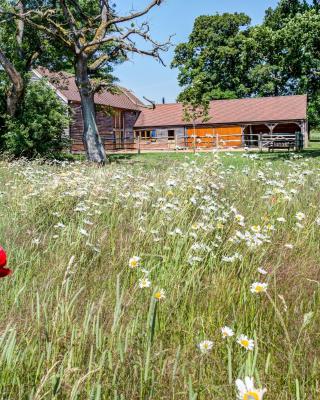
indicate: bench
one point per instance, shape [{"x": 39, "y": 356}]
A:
[{"x": 281, "y": 144}]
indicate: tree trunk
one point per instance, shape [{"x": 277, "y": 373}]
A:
[
  {"x": 15, "y": 94},
  {"x": 91, "y": 138}
]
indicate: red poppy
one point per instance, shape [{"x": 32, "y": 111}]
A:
[{"x": 3, "y": 261}]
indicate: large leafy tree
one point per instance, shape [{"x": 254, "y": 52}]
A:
[
  {"x": 279, "y": 66},
  {"x": 21, "y": 49},
  {"x": 96, "y": 36},
  {"x": 211, "y": 63},
  {"x": 225, "y": 57}
]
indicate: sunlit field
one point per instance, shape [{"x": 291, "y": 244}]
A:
[{"x": 161, "y": 278}]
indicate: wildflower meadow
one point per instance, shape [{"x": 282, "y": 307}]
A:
[{"x": 190, "y": 277}]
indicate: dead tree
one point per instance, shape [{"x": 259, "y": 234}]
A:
[{"x": 95, "y": 38}]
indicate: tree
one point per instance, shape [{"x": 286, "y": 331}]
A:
[
  {"x": 38, "y": 130},
  {"x": 12, "y": 50},
  {"x": 210, "y": 64},
  {"x": 96, "y": 35},
  {"x": 225, "y": 57},
  {"x": 21, "y": 49}
]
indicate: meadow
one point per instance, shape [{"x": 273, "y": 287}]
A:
[{"x": 161, "y": 277}]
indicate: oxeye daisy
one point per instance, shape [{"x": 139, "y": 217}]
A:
[
  {"x": 300, "y": 216},
  {"x": 226, "y": 332},
  {"x": 134, "y": 262},
  {"x": 262, "y": 271},
  {"x": 160, "y": 295},
  {"x": 205, "y": 346},
  {"x": 247, "y": 391},
  {"x": 256, "y": 228},
  {"x": 258, "y": 287},
  {"x": 144, "y": 283},
  {"x": 245, "y": 342}
]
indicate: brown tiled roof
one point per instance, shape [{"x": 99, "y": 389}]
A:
[
  {"x": 65, "y": 84},
  {"x": 262, "y": 109}
]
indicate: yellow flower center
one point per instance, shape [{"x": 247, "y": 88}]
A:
[
  {"x": 259, "y": 288},
  {"x": 158, "y": 295},
  {"x": 251, "y": 396},
  {"x": 245, "y": 343},
  {"x": 133, "y": 263}
]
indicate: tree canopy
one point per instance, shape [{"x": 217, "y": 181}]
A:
[
  {"x": 89, "y": 35},
  {"x": 227, "y": 57}
]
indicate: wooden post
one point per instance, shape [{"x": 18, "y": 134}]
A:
[
  {"x": 260, "y": 141},
  {"x": 175, "y": 141},
  {"x": 217, "y": 140},
  {"x": 139, "y": 142},
  {"x": 194, "y": 137}
]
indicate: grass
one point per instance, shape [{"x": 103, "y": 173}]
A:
[{"x": 76, "y": 325}]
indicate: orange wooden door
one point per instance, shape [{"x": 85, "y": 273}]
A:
[
  {"x": 226, "y": 136},
  {"x": 204, "y": 137},
  {"x": 229, "y": 136}
]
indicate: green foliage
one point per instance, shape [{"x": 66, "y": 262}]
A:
[
  {"x": 210, "y": 64},
  {"x": 39, "y": 128},
  {"x": 226, "y": 58}
]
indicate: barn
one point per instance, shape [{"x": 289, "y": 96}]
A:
[
  {"x": 125, "y": 123},
  {"x": 250, "y": 122}
]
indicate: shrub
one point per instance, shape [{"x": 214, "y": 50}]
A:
[{"x": 38, "y": 130}]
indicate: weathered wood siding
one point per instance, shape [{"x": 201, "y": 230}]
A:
[{"x": 105, "y": 123}]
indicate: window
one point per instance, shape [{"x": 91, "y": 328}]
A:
[
  {"x": 171, "y": 134},
  {"x": 144, "y": 135}
]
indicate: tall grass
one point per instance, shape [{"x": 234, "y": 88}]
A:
[{"x": 76, "y": 325}]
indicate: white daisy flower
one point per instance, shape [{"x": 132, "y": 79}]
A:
[
  {"x": 59, "y": 225},
  {"x": 145, "y": 271},
  {"x": 83, "y": 232},
  {"x": 281, "y": 219},
  {"x": 245, "y": 342},
  {"x": 258, "y": 287},
  {"x": 205, "y": 346},
  {"x": 144, "y": 283},
  {"x": 300, "y": 216},
  {"x": 226, "y": 332},
  {"x": 134, "y": 262},
  {"x": 288, "y": 246},
  {"x": 247, "y": 391},
  {"x": 256, "y": 228},
  {"x": 262, "y": 271},
  {"x": 160, "y": 295}
]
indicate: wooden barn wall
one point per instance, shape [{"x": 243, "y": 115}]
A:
[
  {"x": 130, "y": 118},
  {"x": 105, "y": 123}
]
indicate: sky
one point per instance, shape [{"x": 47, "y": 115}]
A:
[{"x": 144, "y": 75}]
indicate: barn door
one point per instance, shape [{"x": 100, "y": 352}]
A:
[{"x": 118, "y": 129}]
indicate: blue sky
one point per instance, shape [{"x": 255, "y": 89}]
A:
[{"x": 148, "y": 78}]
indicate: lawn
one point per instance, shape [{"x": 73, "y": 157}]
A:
[{"x": 121, "y": 273}]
